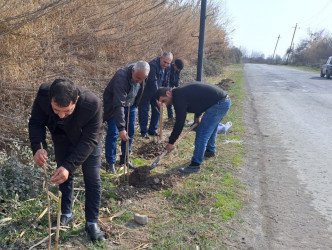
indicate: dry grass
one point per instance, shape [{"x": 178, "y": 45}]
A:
[{"x": 87, "y": 41}]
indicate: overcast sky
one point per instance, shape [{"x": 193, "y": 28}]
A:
[{"x": 258, "y": 23}]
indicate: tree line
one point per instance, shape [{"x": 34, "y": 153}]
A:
[{"x": 311, "y": 51}]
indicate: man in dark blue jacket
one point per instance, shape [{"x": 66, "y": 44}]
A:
[
  {"x": 174, "y": 79},
  {"x": 121, "y": 98},
  {"x": 158, "y": 76},
  {"x": 73, "y": 115}
]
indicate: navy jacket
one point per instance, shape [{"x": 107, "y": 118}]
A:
[
  {"x": 82, "y": 129},
  {"x": 115, "y": 94},
  {"x": 153, "y": 82}
]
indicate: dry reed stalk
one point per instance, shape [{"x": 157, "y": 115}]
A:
[
  {"x": 48, "y": 203},
  {"x": 58, "y": 221},
  {"x": 36, "y": 220},
  {"x": 40, "y": 242}
]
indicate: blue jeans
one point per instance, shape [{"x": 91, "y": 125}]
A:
[
  {"x": 143, "y": 116},
  {"x": 91, "y": 175},
  {"x": 170, "y": 111},
  {"x": 113, "y": 133},
  {"x": 206, "y": 132}
]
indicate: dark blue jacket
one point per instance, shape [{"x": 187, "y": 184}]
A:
[{"x": 153, "y": 82}]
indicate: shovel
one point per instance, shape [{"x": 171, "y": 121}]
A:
[{"x": 154, "y": 164}]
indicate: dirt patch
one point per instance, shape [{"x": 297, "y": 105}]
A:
[
  {"x": 150, "y": 150},
  {"x": 225, "y": 84},
  {"x": 169, "y": 124},
  {"x": 141, "y": 181}
]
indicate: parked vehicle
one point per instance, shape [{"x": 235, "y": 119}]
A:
[{"x": 326, "y": 69}]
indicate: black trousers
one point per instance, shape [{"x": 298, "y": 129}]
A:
[{"x": 91, "y": 175}]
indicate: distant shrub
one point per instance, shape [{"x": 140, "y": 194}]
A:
[{"x": 212, "y": 68}]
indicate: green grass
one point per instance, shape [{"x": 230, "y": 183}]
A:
[{"x": 200, "y": 206}]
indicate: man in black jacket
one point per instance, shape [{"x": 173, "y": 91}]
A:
[
  {"x": 121, "y": 98},
  {"x": 73, "y": 116},
  {"x": 197, "y": 98},
  {"x": 158, "y": 76}
]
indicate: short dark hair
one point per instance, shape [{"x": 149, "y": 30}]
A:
[
  {"x": 63, "y": 91},
  {"x": 162, "y": 92},
  {"x": 179, "y": 64}
]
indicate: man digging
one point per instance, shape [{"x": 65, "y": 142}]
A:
[{"x": 197, "y": 98}]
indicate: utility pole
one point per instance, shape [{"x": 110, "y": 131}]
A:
[
  {"x": 290, "y": 47},
  {"x": 201, "y": 41},
  {"x": 274, "y": 52}
]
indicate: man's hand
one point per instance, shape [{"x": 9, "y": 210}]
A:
[
  {"x": 170, "y": 147},
  {"x": 60, "y": 175},
  {"x": 40, "y": 157},
  {"x": 123, "y": 135}
]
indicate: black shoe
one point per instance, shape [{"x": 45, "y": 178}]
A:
[
  {"x": 209, "y": 154},
  {"x": 95, "y": 233},
  {"x": 131, "y": 166},
  {"x": 190, "y": 169},
  {"x": 64, "y": 222},
  {"x": 146, "y": 136},
  {"x": 153, "y": 133},
  {"x": 110, "y": 167}
]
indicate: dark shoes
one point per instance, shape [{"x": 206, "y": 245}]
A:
[
  {"x": 95, "y": 233},
  {"x": 153, "y": 134},
  {"x": 131, "y": 166},
  {"x": 209, "y": 154},
  {"x": 146, "y": 136},
  {"x": 189, "y": 170},
  {"x": 110, "y": 168},
  {"x": 64, "y": 222}
]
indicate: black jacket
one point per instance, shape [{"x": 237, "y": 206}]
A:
[
  {"x": 82, "y": 129},
  {"x": 193, "y": 97},
  {"x": 174, "y": 77},
  {"x": 115, "y": 94}
]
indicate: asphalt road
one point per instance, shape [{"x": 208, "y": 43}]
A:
[{"x": 288, "y": 169}]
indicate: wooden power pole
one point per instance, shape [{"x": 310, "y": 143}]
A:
[
  {"x": 291, "y": 45},
  {"x": 274, "y": 52}
]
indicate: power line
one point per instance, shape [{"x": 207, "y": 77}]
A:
[{"x": 313, "y": 18}]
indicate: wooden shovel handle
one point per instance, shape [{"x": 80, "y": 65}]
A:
[{"x": 154, "y": 164}]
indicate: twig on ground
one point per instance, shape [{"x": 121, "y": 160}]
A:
[{"x": 40, "y": 242}]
